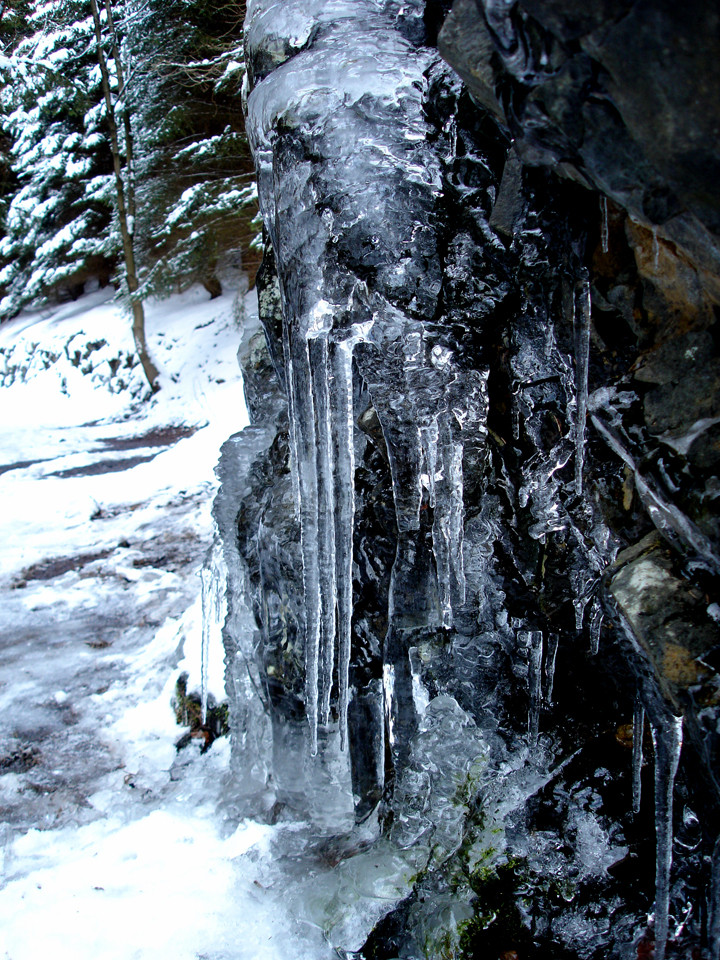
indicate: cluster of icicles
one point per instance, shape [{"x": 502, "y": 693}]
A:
[
  {"x": 319, "y": 375},
  {"x": 320, "y": 394},
  {"x": 667, "y": 741}
]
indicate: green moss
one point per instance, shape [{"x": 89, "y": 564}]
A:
[
  {"x": 498, "y": 924},
  {"x": 188, "y": 713}
]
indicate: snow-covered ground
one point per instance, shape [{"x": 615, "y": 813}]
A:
[{"x": 112, "y": 843}]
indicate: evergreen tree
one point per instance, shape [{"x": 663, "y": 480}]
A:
[
  {"x": 196, "y": 191},
  {"x": 172, "y": 95},
  {"x": 124, "y": 180},
  {"x": 57, "y": 224}
]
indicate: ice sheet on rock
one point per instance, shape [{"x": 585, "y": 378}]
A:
[
  {"x": 667, "y": 517},
  {"x": 323, "y": 81},
  {"x": 447, "y": 758}
]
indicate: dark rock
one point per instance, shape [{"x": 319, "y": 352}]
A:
[
  {"x": 466, "y": 44},
  {"x": 631, "y": 111}
]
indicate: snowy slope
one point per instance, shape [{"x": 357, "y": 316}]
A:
[{"x": 113, "y": 844}]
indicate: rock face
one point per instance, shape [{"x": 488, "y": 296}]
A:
[{"x": 472, "y": 535}]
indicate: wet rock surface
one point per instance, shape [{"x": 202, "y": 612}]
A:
[{"x": 473, "y": 529}]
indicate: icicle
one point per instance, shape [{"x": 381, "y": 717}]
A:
[
  {"x": 516, "y": 412},
  {"x": 604, "y": 233},
  {"x": 714, "y": 918},
  {"x": 596, "y": 621},
  {"x": 535, "y": 638},
  {"x": 320, "y": 366},
  {"x": 212, "y": 580},
  {"x": 637, "y": 755},
  {"x": 441, "y": 550},
  {"x": 550, "y": 659},
  {"x": 304, "y": 418},
  {"x": 579, "y": 604},
  {"x": 582, "y": 359},
  {"x": 655, "y": 249},
  {"x": 341, "y": 387},
  {"x": 666, "y": 516},
  {"x": 667, "y": 738}
]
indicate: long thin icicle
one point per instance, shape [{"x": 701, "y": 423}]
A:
[
  {"x": 212, "y": 580},
  {"x": 535, "y": 654},
  {"x": 448, "y": 525},
  {"x": 597, "y": 615},
  {"x": 667, "y": 738},
  {"x": 637, "y": 755},
  {"x": 341, "y": 390},
  {"x": 604, "y": 233},
  {"x": 581, "y": 321},
  {"x": 294, "y": 467},
  {"x": 320, "y": 366},
  {"x": 456, "y": 514},
  {"x": 550, "y": 661},
  {"x": 304, "y": 415},
  {"x": 714, "y": 918}
]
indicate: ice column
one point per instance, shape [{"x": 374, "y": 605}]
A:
[
  {"x": 597, "y": 616},
  {"x": 341, "y": 387}
]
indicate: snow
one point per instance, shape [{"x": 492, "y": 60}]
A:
[{"x": 113, "y": 843}]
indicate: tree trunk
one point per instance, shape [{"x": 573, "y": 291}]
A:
[{"x": 138, "y": 325}]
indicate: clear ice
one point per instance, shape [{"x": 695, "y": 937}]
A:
[{"x": 581, "y": 317}]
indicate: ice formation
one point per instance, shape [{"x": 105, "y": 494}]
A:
[{"x": 460, "y": 495}]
